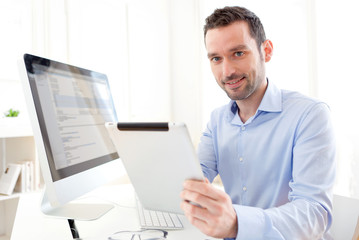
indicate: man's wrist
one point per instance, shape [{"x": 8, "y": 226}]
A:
[{"x": 234, "y": 228}]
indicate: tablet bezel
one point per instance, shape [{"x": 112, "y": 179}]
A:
[{"x": 158, "y": 158}]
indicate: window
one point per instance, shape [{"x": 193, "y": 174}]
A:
[
  {"x": 154, "y": 56},
  {"x": 338, "y": 84}
]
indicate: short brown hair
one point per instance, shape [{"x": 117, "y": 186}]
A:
[{"x": 225, "y": 16}]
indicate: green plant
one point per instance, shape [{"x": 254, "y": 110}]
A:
[{"x": 12, "y": 113}]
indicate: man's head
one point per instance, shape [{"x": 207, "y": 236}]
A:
[
  {"x": 228, "y": 15},
  {"x": 237, "y": 50}
]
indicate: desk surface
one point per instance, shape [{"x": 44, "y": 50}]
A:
[{"x": 30, "y": 223}]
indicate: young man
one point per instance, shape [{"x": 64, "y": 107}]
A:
[{"x": 274, "y": 149}]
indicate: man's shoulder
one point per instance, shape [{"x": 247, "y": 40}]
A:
[
  {"x": 300, "y": 105},
  {"x": 290, "y": 98}
]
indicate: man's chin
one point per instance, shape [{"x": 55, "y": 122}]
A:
[{"x": 235, "y": 96}]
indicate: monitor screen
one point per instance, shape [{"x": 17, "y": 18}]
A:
[
  {"x": 72, "y": 106},
  {"x": 68, "y": 108}
]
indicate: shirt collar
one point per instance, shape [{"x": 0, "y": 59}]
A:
[
  {"x": 272, "y": 99},
  {"x": 271, "y": 102}
]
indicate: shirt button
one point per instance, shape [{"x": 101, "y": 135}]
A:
[
  {"x": 241, "y": 159},
  {"x": 243, "y": 128},
  {"x": 244, "y": 189}
]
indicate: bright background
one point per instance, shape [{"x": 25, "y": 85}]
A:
[{"x": 153, "y": 54}]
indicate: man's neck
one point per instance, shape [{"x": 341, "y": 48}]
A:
[{"x": 248, "y": 107}]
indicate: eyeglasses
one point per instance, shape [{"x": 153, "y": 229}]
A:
[{"x": 147, "y": 234}]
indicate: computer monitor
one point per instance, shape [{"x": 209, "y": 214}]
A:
[{"x": 68, "y": 108}]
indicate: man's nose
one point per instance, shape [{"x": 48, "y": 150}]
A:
[{"x": 228, "y": 68}]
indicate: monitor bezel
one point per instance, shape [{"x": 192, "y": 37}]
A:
[
  {"x": 61, "y": 191},
  {"x": 58, "y": 174}
]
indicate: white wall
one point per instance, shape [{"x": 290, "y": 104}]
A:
[
  {"x": 186, "y": 37},
  {"x": 338, "y": 83}
]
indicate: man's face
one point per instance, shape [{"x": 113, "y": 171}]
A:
[{"x": 235, "y": 60}]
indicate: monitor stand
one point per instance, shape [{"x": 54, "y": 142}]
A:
[{"x": 75, "y": 210}]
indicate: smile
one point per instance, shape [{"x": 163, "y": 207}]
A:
[{"x": 235, "y": 84}]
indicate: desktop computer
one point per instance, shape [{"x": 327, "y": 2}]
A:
[{"x": 68, "y": 108}]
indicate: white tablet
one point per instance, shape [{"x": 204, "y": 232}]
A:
[{"x": 158, "y": 158}]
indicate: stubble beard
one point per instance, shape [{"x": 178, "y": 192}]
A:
[
  {"x": 238, "y": 94},
  {"x": 250, "y": 86}
]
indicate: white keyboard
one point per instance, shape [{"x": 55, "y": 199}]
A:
[{"x": 150, "y": 219}]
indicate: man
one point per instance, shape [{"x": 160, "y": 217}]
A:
[{"x": 273, "y": 149}]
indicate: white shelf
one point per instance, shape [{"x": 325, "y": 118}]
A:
[
  {"x": 5, "y": 197},
  {"x": 16, "y": 144},
  {"x": 8, "y": 208},
  {"x": 15, "y": 127}
]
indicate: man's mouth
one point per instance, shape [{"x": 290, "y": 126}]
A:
[{"x": 235, "y": 83}]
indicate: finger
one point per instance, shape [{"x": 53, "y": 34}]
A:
[
  {"x": 195, "y": 211},
  {"x": 204, "y": 188},
  {"x": 197, "y": 222},
  {"x": 203, "y": 201},
  {"x": 199, "y": 218},
  {"x": 200, "y": 224}
]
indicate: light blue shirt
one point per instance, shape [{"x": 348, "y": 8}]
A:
[{"x": 278, "y": 167}]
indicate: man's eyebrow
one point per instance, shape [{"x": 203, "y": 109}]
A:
[
  {"x": 240, "y": 47},
  {"x": 210, "y": 55}
]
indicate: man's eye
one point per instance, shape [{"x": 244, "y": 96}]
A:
[
  {"x": 238, "y": 54},
  {"x": 215, "y": 59}
]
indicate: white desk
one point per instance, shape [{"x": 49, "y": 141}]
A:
[{"x": 30, "y": 223}]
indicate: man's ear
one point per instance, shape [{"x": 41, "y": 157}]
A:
[{"x": 268, "y": 50}]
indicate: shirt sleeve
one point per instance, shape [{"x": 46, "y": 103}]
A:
[
  {"x": 207, "y": 153},
  {"x": 308, "y": 214}
]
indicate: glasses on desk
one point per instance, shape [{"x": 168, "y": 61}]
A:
[{"x": 147, "y": 234}]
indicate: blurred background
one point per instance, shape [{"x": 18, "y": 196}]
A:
[{"x": 153, "y": 54}]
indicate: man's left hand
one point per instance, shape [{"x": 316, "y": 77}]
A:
[{"x": 215, "y": 215}]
